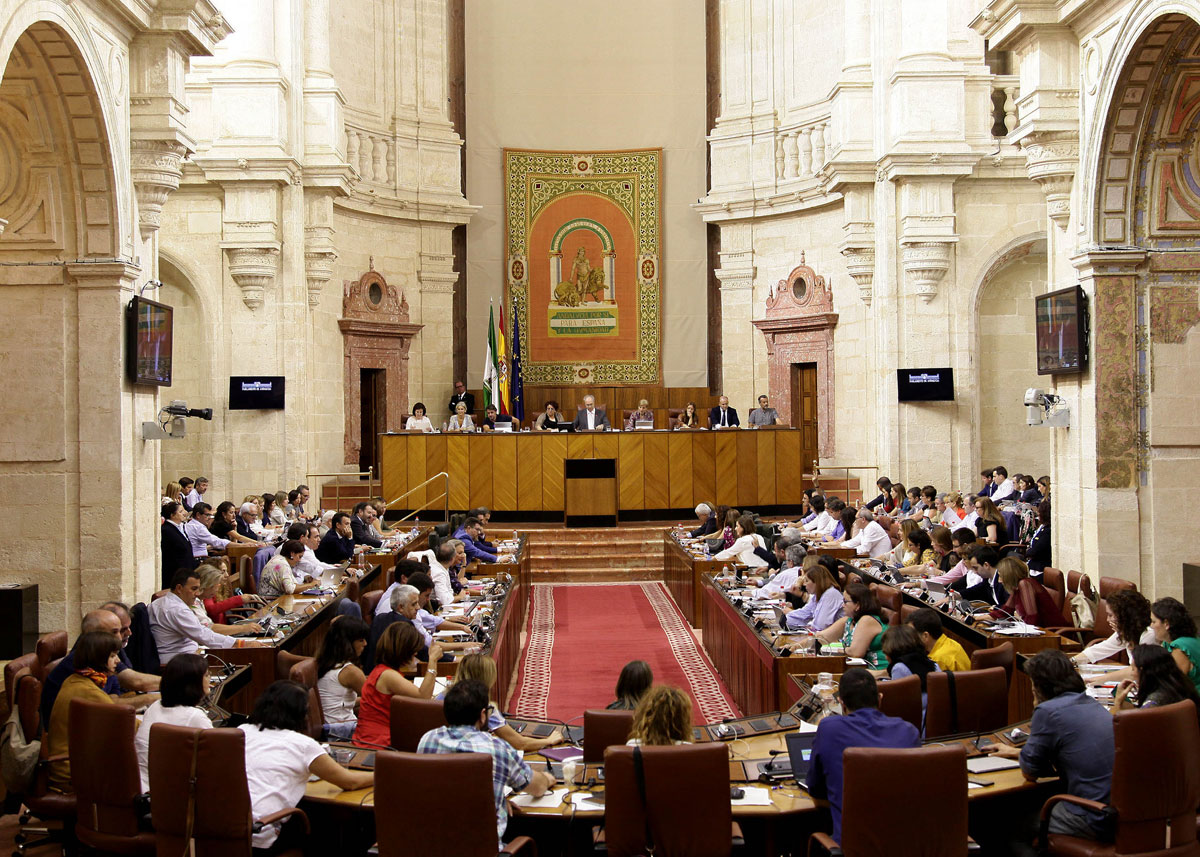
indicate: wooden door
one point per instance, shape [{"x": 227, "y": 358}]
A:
[
  {"x": 804, "y": 411},
  {"x": 373, "y": 422}
]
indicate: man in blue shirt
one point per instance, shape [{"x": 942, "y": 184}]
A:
[
  {"x": 1071, "y": 736},
  {"x": 467, "y": 709},
  {"x": 468, "y": 534},
  {"x": 862, "y": 725}
]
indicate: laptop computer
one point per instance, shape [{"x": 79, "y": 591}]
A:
[
  {"x": 934, "y": 588},
  {"x": 799, "y": 745}
]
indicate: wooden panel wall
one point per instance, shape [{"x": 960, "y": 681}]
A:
[{"x": 655, "y": 470}]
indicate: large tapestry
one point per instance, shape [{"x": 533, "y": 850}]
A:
[{"x": 584, "y": 250}]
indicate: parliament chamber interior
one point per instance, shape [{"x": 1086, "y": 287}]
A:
[{"x": 432, "y": 427}]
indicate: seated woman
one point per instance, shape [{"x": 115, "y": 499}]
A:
[
  {"x": 964, "y": 544},
  {"x": 1027, "y": 491},
  {"x": 902, "y": 553},
  {"x": 944, "y": 558},
  {"x": 861, "y": 630},
  {"x": 211, "y": 612},
  {"x": 280, "y": 757},
  {"x": 278, "y": 576},
  {"x": 824, "y": 605},
  {"x": 184, "y": 685},
  {"x": 907, "y": 656},
  {"x": 96, "y": 659},
  {"x": 482, "y": 668},
  {"x": 635, "y": 679},
  {"x": 990, "y": 525},
  {"x": 844, "y": 528},
  {"x": 396, "y": 650},
  {"x": 689, "y": 419},
  {"x": 272, "y": 514},
  {"x": 900, "y": 499},
  {"x": 1157, "y": 679},
  {"x": 460, "y": 420},
  {"x": 1129, "y": 616},
  {"x": 548, "y": 419},
  {"x": 663, "y": 718},
  {"x": 642, "y": 414},
  {"x": 1037, "y": 555},
  {"x": 742, "y": 549},
  {"x": 173, "y": 493},
  {"x": 1029, "y": 601},
  {"x": 418, "y": 421},
  {"x": 1175, "y": 629},
  {"x": 920, "y": 548},
  {"x": 340, "y": 679}
]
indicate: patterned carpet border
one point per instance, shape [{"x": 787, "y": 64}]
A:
[{"x": 535, "y": 662}]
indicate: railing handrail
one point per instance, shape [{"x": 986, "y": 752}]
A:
[
  {"x": 845, "y": 468},
  {"x": 444, "y": 495}
]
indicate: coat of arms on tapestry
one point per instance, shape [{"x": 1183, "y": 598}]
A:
[{"x": 583, "y": 257}]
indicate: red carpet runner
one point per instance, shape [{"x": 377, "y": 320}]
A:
[{"x": 581, "y": 635}]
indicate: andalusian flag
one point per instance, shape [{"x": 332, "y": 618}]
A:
[
  {"x": 502, "y": 366},
  {"x": 491, "y": 377}
]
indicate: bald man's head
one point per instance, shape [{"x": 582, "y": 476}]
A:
[{"x": 101, "y": 620}]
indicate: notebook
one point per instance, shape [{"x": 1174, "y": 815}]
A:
[{"x": 987, "y": 764}]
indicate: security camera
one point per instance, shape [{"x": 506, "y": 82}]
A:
[
  {"x": 1048, "y": 409},
  {"x": 172, "y": 421}
]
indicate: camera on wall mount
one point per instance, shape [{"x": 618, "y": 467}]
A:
[
  {"x": 172, "y": 421},
  {"x": 1046, "y": 409}
]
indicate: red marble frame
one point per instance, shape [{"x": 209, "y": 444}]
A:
[{"x": 799, "y": 329}]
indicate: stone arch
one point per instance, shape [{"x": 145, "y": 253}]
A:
[
  {"x": 67, "y": 447},
  {"x": 56, "y": 144},
  {"x": 1139, "y": 95},
  {"x": 1004, "y": 346}
]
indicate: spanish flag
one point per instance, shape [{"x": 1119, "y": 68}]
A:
[{"x": 502, "y": 365}]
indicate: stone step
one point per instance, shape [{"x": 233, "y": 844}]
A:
[
  {"x": 631, "y": 549},
  {"x": 595, "y": 575},
  {"x": 583, "y": 564}
]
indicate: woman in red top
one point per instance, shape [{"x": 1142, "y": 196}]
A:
[
  {"x": 396, "y": 650},
  {"x": 212, "y": 578},
  {"x": 1029, "y": 601}
]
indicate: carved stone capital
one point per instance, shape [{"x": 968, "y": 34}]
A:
[
  {"x": 1051, "y": 159},
  {"x": 318, "y": 270},
  {"x": 253, "y": 269},
  {"x": 860, "y": 265},
  {"x": 155, "y": 169},
  {"x": 926, "y": 263}
]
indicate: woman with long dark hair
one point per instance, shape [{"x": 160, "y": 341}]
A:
[
  {"x": 184, "y": 686},
  {"x": 633, "y": 682},
  {"x": 1157, "y": 679},
  {"x": 861, "y": 630},
  {"x": 1175, "y": 628},
  {"x": 339, "y": 674},
  {"x": 989, "y": 524}
]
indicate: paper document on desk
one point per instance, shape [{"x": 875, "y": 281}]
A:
[
  {"x": 549, "y": 800},
  {"x": 442, "y": 635},
  {"x": 755, "y": 796},
  {"x": 1019, "y": 629},
  {"x": 806, "y": 727},
  {"x": 987, "y": 764},
  {"x": 583, "y": 801}
]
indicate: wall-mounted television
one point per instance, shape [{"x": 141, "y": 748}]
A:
[
  {"x": 148, "y": 342},
  {"x": 925, "y": 385},
  {"x": 1061, "y": 320},
  {"x": 256, "y": 392}
]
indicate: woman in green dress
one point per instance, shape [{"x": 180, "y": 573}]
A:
[
  {"x": 861, "y": 630},
  {"x": 1176, "y": 630}
]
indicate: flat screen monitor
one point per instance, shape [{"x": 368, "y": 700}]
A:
[
  {"x": 925, "y": 385},
  {"x": 1061, "y": 320},
  {"x": 256, "y": 393},
  {"x": 148, "y": 342}
]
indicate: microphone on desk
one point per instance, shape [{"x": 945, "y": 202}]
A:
[
  {"x": 229, "y": 668},
  {"x": 770, "y": 763}
]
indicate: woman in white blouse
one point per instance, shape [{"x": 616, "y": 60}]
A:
[
  {"x": 184, "y": 685},
  {"x": 745, "y": 541},
  {"x": 460, "y": 420},
  {"x": 418, "y": 421},
  {"x": 340, "y": 678}
]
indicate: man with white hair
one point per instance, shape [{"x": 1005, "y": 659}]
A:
[
  {"x": 794, "y": 554},
  {"x": 871, "y": 539},
  {"x": 404, "y": 603},
  {"x": 591, "y": 418},
  {"x": 250, "y": 524},
  {"x": 708, "y": 523}
]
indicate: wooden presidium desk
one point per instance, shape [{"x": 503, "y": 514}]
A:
[{"x": 655, "y": 469}]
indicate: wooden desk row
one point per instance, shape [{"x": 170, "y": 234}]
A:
[
  {"x": 304, "y": 635},
  {"x": 655, "y": 469}
]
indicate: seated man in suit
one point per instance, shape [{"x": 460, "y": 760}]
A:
[
  {"x": 981, "y": 583},
  {"x": 337, "y": 545},
  {"x": 723, "y": 416},
  {"x": 470, "y": 534},
  {"x": 861, "y": 725},
  {"x": 176, "y": 549},
  {"x": 493, "y": 417},
  {"x": 591, "y": 418},
  {"x": 360, "y": 526}
]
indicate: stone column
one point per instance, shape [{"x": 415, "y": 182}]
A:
[
  {"x": 1096, "y": 461},
  {"x": 119, "y": 475},
  {"x": 736, "y": 274},
  {"x": 436, "y": 278}
]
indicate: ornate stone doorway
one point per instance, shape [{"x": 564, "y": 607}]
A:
[{"x": 377, "y": 334}]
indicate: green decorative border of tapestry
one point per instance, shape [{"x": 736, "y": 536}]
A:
[{"x": 604, "y": 173}]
